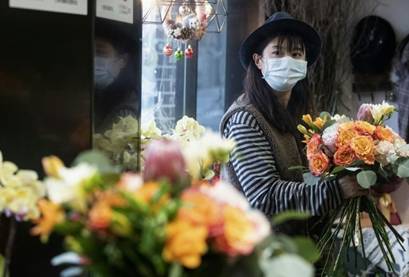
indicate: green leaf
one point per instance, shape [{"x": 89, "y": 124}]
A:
[
  {"x": 325, "y": 115},
  {"x": 403, "y": 169},
  {"x": 366, "y": 178},
  {"x": 307, "y": 249},
  {"x": 95, "y": 158},
  {"x": 338, "y": 169},
  {"x": 329, "y": 123},
  {"x": 289, "y": 215}
]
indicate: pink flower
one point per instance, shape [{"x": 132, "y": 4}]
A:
[
  {"x": 164, "y": 160},
  {"x": 364, "y": 113}
]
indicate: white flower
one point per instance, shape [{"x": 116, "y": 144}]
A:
[
  {"x": 329, "y": 136},
  {"x": 286, "y": 265},
  {"x": 383, "y": 150},
  {"x": 403, "y": 150},
  {"x": 68, "y": 187},
  {"x": 187, "y": 129},
  {"x": 226, "y": 193},
  {"x": 150, "y": 130},
  {"x": 383, "y": 111},
  {"x": 340, "y": 118},
  {"x": 201, "y": 153}
]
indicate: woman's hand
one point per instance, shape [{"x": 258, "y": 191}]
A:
[{"x": 350, "y": 187}]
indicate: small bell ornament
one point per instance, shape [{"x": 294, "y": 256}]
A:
[
  {"x": 168, "y": 50},
  {"x": 189, "y": 52},
  {"x": 179, "y": 54}
]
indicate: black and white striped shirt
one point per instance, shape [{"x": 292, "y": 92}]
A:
[{"x": 254, "y": 164}]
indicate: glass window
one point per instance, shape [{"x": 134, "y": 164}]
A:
[
  {"x": 158, "y": 79},
  {"x": 211, "y": 79}
]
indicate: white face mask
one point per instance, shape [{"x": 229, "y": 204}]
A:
[
  {"x": 105, "y": 72},
  {"x": 283, "y": 73}
]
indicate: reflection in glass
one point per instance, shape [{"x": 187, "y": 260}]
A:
[{"x": 115, "y": 73}]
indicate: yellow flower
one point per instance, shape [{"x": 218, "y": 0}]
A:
[
  {"x": 307, "y": 119},
  {"x": 364, "y": 148},
  {"x": 52, "y": 214},
  {"x": 319, "y": 122},
  {"x": 52, "y": 166},
  {"x": 185, "y": 243}
]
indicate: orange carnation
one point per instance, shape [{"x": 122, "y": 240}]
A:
[
  {"x": 344, "y": 156},
  {"x": 364, "y": 148},
  {"x": 364, "y": 128},
  {"x": 382, "y": 133},
  {"x": 346, "y": 134},
  {"x": 318, "y": 163},
  {"x": 313, "y": 145}
]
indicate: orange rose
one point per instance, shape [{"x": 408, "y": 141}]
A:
[
  {"x": 100, "y": 216},
  {"x": 364, "y": 148},
  {"x": 146, "y": 193},
  {"x": 318, "y": 163},
  {"x": 344, "y": 156},
  {"x": 200, "y": 209},
  {"x": 185, "y": 243},
  {"x": 345, "y": 134},
  {"x": 313, "y": 145},
  {"x": 236, "y": 238},
  {"x": 382, "y": 133},
  {"x": 364, "y": 128}
]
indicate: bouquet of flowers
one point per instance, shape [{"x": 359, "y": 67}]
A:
[
  {"x": 337, "y": 146},
  {"x": 162, "y": 222}
]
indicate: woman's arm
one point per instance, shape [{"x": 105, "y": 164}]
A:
[{"x": 254, "y": 164}]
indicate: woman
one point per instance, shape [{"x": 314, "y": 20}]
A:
[{"x": 263, "y": 122}]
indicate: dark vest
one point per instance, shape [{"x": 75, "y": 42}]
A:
[{"x": 286, "y": 154}]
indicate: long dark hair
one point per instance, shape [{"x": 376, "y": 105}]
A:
[{"x": 263, "y": 97}]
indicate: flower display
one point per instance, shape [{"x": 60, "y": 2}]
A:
[
  {"x": 143, "y": 224},
  {"x": 20, "y": 190},
  {"x": 338, "y": 146}
]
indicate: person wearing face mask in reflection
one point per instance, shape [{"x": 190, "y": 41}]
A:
[
  {"x": 114, "y": 75},
  {"x": 263, "y": 120}
]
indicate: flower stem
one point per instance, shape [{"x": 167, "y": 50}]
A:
[{"x": 9, "y": 246}]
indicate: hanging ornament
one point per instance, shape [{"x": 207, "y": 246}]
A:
[
  {"x": 179, "y": 54},
  {"x": 184, "y": 10},
  {"x": 189, "y": 52},
  {"x": 168, "y": 50}
]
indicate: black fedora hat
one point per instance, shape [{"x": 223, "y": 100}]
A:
[{"x": 281, "y": 22}]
